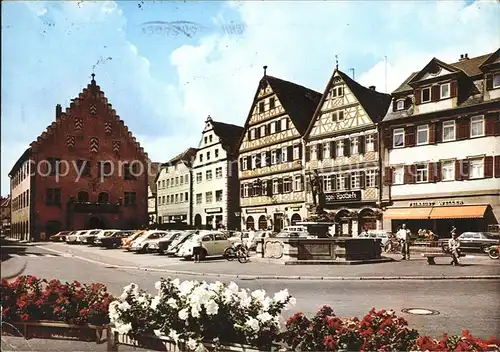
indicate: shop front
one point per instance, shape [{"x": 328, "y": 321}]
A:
[
  {"x": 214, "y": 218},
  {"x": 273, "y": 218}
]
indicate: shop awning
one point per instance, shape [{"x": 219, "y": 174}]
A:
[
  {"x": 461, "y": 212},
  {"x": 407, "y": 213}
]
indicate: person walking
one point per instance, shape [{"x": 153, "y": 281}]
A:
[
  {"x": 197, "y": 248},
  {"x": 404, "y": 236},
  {"x": 454, "y": 246}
]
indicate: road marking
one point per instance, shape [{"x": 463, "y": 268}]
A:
[
  {"x": 14, "y": 255},
  {"x": 32, "y": 255}
]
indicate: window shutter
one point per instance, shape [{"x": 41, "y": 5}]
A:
[
  {"x": 269, "y": 187},
  {"x": 438, "y": 134},
  {"x": 387, "y": 176},
  {"x": 406, "y": 176},
  {"x": 300, "y": 151},
  {"x": 388, "y": 138},
  {"x": 432, "y": 172},
  {"x": 319, "y": 151},
  {"x": 333, "y": 150},
  {"x": 439, "y": 174},
  {"x": 497, "y": 166},
  {"x": 249, "y": 163},
  {"x": 394, "y": 105},
  {"x": 257, "y": 133},
  {"x": 488, "y": 167},
  {"x": 278, "y": 125},
  {"x": 407, "y": 103},
  {"x": 347, "y": 147},
  {"x": 463, "y": 128},
  {"x": 458, "y": 170},
  {"x": 432, "y": 133},
  {"x": 241, "y": 192},
  {"x": 257, "y": 162},
  {"x": 453, "y": 89},
  {"x": 465, "y": 169},
  {"x": 332, "y": 182},
  {"x": 248, "y": 135},
  {"x": 289, "y": 153},
  {"x": 410, "y": 136},
  {"x": 435, "y": 92},
  {"x": 268, "y": 158},
  {"x": 250, "y": 189},
  {"x": 361, "y": 144},
  {"x": 375, "y": 141},
  {"x": 308, "y": 153},
  {"x": 362, "y": 180},
  {"x": 417, "y": 96},
  {"x": 287, "y": 123},
  {"x": 413, "y": 173},
  {"x": 489, "y": 81},
  {"x": 490, "y": 122},
  {"x": 280, "y": 186},
  {"x": 278, "y": 155}
]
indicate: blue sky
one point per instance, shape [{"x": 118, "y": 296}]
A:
[{"x": 164, "y": 82}]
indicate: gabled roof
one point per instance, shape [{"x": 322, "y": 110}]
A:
[
  {"x": 153, "y": 171},
  {"x": 187, "y": 156},
  {"x": 229, "y": 134},
  {"x": 298, "y": 101},
  {"x": 434, "y": 61},
  {"x": 374, "y": 103},
  {"x": 490, "y": 58},
  {"x": 25, "y": 156}
]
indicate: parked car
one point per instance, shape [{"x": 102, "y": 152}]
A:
[
  {"x": 300, "y": 234},
  {"x": 141, "y": 244},
  {"x": 90, "y": 236},
  {"x": 473, "y": 240},
  {"x": 163, "y": 243},
  {"x": 214, "y": 243},
  {"x": 383, "y": 235},
  {"x": 103, "y": 234},
  {"x": 112, "y": 239},
  {"x": 60, "y": 236},
  {"x": 75, "y": 237},
  {"x": 127, "y": 242},
  {"x": 177, "y": 243}
]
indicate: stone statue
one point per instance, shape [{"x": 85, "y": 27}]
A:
[{"x": 317, "y": 192}]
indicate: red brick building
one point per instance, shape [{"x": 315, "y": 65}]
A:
[{"x": 85, "y": 171}]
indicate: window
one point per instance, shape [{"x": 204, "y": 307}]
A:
[
  {"x": 398, "y": 137},
  {"x": 476, "y": 168},
  {"x": 287, "y": 184},
  {"x": 181, "y": 180},
  {"x": 208, "y": 175},
  {"x": 176, "y": 198},
  {"x": 218, "y": 172},
  {"x": 326, "y": 151},
  {"x": 284, "y": 154},
  {"x": 261, "y": 107},
  {"x": 298, "y": 184},
  {"x": 400, "y": 105},
  {"x": 340, "y": 182},
  {"x": 355, "y": 180},
  {"x": 177, "y": 181},
  {"x": 53, "y": 196},
  {"x": 83, "y": 197},
  {"x": 422, "y": 134},
  {"x": 476, "y": 126},
  {"x": 85, "y": 166},
  {"x": 186, "y": 178},
  {"x": 370, "y": 143},
  {"x": 159, "y": 200},
  {"x": 273, "y": 128},
  {"x": 274, "y": 157},
  {"x": 103, "y": 197},
  {"x": 218, "y": 196},
  {"x": 198, "y": 198},
  {"x": 275, "y": 186},
  {"x": 210, "y": 138},
  {"x": 208, "y": 197},
  {"x": 445, "y": 91},
  {"x": 104, "y": 169},
  {"x": 263, "y": 159},
  {"x": 198, "y": 177},
  {"x": 245, "y": 190},
  {"x": 398, "y": 175},
  {"x": 337, "y": 91},
  {"x": 296, "y": 152},
  {"x": 129, "y": 198},
  {"x": 208, "y": 155},
  {"x": 426, "y": 95},
  {"x": 354, "y": 145},
  {"x": 448, "y": 131},
  {"x": 284, "y": 124},
  {"x": 339, "y": 145},
  {"x": 216, "y": 152},
  {"x": 496, "y": 80},
  {"x": 181, "y": 197},
  {"x": 131, "y": 170},
  {"x": 370, "y": 178},
  {"x": 206, "y": 140},
  {"x": 186, "y": 198},
  {"x": 338, "y": 115},
  {"x": 201, "y": 158},
  {"x": 422, "y": 173},
  {"x": 448, "y": 170},
  {"x": 271, "y": 103},
  {"x": 327, "y": 183}
]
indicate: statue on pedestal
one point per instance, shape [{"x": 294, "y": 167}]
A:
[{"x": 317, "y": 192}]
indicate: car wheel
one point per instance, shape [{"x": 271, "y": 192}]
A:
[{"x": 485, "y": 249}]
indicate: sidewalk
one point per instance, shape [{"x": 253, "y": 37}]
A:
[{"x": 474, "y": 266}]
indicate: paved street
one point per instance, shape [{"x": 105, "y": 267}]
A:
[{"x": 471, "y": 304}]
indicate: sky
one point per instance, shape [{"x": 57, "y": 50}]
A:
[{"x": 166, "y": 66}]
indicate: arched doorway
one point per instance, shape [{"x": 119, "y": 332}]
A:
[
  {"x": 83, "y": 197},
  {"x": 342, "y": 223},
  {"x": 197, "y": 220},
  {"x": 52, "y": 227},
  {"x": 95, "y": 222},
  {"x": 262, "y": 222},
  {"x": 103, "y": 197},
  {"x": 295, "y": 219},
  {"x": 367, "y": 219},
  {"x": 250, "y": 223}
]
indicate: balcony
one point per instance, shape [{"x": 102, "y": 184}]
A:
[{"x": 112, "y": 208}]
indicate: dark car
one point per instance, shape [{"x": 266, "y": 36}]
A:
[
  {"x": 166, "y": 241},
  {"x": 114, "y": 240},
  {"x": 474, "y": 240}
]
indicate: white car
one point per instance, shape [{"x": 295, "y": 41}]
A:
[
  {"x": 384, "y": 236},
  {"x": 214, "y": 243},
  {"x": 141, "y": 243},
  {"x": 89, "y": 237},
  {"x": 75, "y": 237},
  {"x": 176, "y": 244},
  {"x": 102, "y": 234}
]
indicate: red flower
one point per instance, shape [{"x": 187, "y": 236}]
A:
[{"x": 330, "y": 343}]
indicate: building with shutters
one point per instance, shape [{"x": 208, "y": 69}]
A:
[
  {"x": 5, "y": 215},
  {"x": 342, "y": 147},
  {"x": 152, "y": 206},
  {"x": 174, "y": 184},
  {"x": 85, "y": 171},
  {"x": 442, "y": 142},
  {"x": 272, "y": 193},
  {"x": 216, "y": 201}
]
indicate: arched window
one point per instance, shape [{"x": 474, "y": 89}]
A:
[
  {"x": 197, "y": 220},
  {"x": 103, "y": 197},
  {"x": 250, "y": 223},
  {"x": 295, "y": 218},
  {"x": 262, "y": 222},
  {"x": 83, "y": 196}
]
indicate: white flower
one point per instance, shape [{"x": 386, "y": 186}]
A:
[
  {"x": 216, "y": 286},
  {"x": 158, "y": 285},
  {"x": 124, "y": 306},
  {"x": 266, "y": 303},
  {"x": 192, "y": 344},
  {"x": 265, "y": 317},
  {"x": 155, "y": 302},
  {"x": 253, "y": 324},
  {"x": 172, "y": 303},
  {"x": 124, "y": 328},
  {"x": 195, "y": 310},
  {"x": 291, "y": 303},
  {"x": 281, "y": 296},
  {"x": 183, "y": 314},
  {"x": 158, "y": 333},
  {"x": 186, "y": 287},
  {"x": 113, "y": 313},
  {"x": 133, "y": 288},
  {"x": 228, "y": 296},
  {"x": 233, "y": 287},
  {"x": 142, "y": 299},
  {"x": 259, "y": 295},
  {"x": 174, "y": 335},
  {"x": 211, "y": 307},
  {"x": 176, "y": 283}
]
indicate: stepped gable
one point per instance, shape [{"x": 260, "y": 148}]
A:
[
  {"x": 187, "y": 156},
  {"x": 92, "y": 91},
  {"x": 229, "y": 135}
]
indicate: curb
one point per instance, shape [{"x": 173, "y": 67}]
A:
[{"x": 282, "y": 277}]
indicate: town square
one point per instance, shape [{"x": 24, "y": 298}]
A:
[{"x": 227, "y": 176}]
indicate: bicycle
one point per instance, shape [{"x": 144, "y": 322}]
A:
[
  {"x": 394, "y": 246},
  {"x": 241, "y": 252}
]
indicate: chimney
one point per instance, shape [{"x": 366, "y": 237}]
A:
[
  {"x": 372, "y": 88},
  {"x": 58, "y": 110},
  {"x": 464, "y": 57}
]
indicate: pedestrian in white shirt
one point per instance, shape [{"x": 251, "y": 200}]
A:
[
  {"x": 404, "y": 236},
  {"x": 197, "y": 248},
  {"x": 454, "y": 246}
]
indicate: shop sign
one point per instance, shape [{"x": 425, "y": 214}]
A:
[
  {"x": 437, "y": 204},
  {"x": 256, "y": 210},
  {"x": 296, "y": 208},
  {"x": 213, "y": 210},
  {"x": 339, "y": 197}
]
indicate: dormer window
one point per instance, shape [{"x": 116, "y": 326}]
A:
[
  {"x": 426, "y": 95},
  {"x": 400, "y": 105},
  {"x": 445, "y": 91},
  {"x": 210, "y": 138},
  {"x": 337, "y": 91},
  {"x": 206, "y": 140}
]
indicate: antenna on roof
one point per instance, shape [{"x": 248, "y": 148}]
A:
[
  {"x": 336, "y": 62},
  {"x": 352, "y": 69},
  {"x": 385, "y": 74},
  {"x": 265, "y": 70}
]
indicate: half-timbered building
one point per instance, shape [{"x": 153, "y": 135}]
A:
[
  {"x": 270, "y": 154},
  {"x": 442, "y": 139},
  {"x": 341, "y": 146}
]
